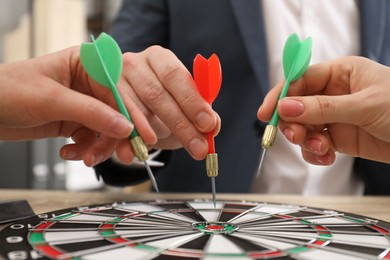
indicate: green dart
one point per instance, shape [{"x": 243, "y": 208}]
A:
[
  {"x": 102, "y": 60},
  {"x": 296, "y": 59}
]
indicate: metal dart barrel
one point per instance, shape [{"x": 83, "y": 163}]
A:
[
  {"x": 212, "y": 172},
  {"x": 269, "y": 136},
  {"x": 139, "y": 147}
]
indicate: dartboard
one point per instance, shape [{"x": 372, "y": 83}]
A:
[{"x": 196, "y": 229}]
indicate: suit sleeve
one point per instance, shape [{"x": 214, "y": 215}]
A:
[{"x": 140, "y": 24}]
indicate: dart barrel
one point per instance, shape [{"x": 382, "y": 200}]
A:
[
  {"x": 212, "y": 165},
  {"x": 139, "y": 147},
  {"x": 269, "y": 136}
]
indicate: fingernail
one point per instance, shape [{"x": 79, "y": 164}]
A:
[
  {"x": 324, "y": 159},
  {"x": 69, "y": 155},
  {"x": 291, "y": 107},
  {"x": 203, "y": 120},
  {"x": 121, "y": 126},
  {"x": 289, "y": 134},
  {"x": 197, "y": 147},
  {"x": 314, "y": 145}
]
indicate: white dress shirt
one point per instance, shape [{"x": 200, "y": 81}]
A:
[{"x": 334, "y": 28}]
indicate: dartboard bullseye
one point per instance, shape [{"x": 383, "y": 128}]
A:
[
  {"x": 215, "y": 227},
  {"x": 178, "y": 229}
]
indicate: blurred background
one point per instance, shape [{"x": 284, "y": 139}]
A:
[{"x": 30, "y": 28}]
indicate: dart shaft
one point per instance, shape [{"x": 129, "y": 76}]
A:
[
  {"x": 210, "y": 141},
  {"x": 275, "y": 116},
  {"x": 123, "y": 110}
]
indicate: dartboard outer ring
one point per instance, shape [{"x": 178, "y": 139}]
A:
[{"x": 195, "y": 229}]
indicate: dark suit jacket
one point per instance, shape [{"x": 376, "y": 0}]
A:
[{"x": 233, "y": 29}]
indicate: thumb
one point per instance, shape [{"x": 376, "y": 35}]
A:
[{"x": 318, "y": 110}]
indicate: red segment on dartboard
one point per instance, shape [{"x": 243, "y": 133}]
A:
[
  {"x": 49, "y": 251},
  {"x": 215, "y": 227}
]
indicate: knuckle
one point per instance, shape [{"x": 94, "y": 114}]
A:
[
  {"x": 181, "y": 126},
  {"x": 129, "y": 60},
  {"x": 155, "y": 49},
  {"x": 189, "y": 100},
  {"x": 173, "y": 72},
  {"x": 326, "y": 106},
  {"x": 153, "y": 93}
]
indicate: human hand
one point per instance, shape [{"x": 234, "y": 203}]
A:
[
  {"x": 166, "y": 93},
  {"x": 337, "y": 106},
  {"x": 52, "y": 96}
]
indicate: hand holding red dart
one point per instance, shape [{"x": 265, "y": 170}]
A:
[{"x": 208, "y": 79}]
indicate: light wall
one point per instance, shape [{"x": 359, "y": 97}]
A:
[{"x": 58, "y": 24}]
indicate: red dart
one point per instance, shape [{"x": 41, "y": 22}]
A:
[{"x": 208, "y": 79}]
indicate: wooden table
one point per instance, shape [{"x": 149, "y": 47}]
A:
[{"x": 45, "y": 201}]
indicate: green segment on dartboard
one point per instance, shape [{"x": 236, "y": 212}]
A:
[
  {"x": 296, "y": 59},
  {"x": 102, "y": 59}
]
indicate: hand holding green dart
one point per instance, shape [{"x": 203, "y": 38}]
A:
[
  {"x": 102, "y": 60},
  {"x": 296, "y": 59}
]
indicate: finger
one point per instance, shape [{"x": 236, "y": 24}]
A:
[
  {"x": 317, "y": 143},
  {"x": 318, "y": 148},
  {"x": 70, "y": 105},
  {"x": 268, "y": 106},
  {"x": 168, "y": 143},
  {"x": 314, "y": 81},
  {"x": 141, "y": 123},
  {"x": 161, "y": 130},
  {"x": 125, "y": 152},
  {"x": 326, "y": 159},
  {"x": 218, "y": 127},
  {"x": 83, "y": 138},
  {"x": 152, "y": 93},
  {"x": 295, "y": 133},
  {"x": 84, "y": 135},
  {"x": 318, "y": 110},
  {"x": 99, "y": 151}
]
